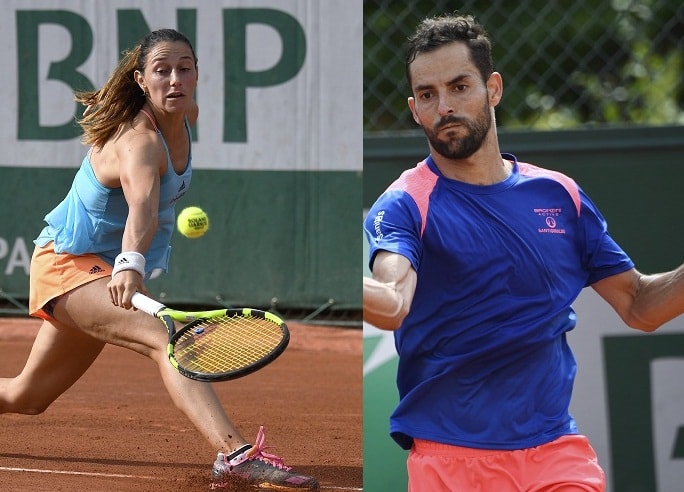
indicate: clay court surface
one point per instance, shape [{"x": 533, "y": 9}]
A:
[{"x": 117, "y": 430}]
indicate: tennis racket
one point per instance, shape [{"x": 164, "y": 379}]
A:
[{"x": 221, "y": 344}]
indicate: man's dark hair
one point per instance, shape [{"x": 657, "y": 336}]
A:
[{"x": 434, "y": 32}]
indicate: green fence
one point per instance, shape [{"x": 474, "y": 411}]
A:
[{"x": 565, "y": 63}]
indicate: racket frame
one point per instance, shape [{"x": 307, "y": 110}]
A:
[{"x": 194, "y": 318}]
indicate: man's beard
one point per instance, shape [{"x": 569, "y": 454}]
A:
[{"x": 461, "y": 147}]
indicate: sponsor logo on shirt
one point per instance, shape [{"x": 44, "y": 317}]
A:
[
  {"x": 376, "y": 225},
  {"x": 180, "y": 193},
  {"x": 550, "y": 216}
]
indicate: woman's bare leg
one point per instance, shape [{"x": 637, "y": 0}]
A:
[
  {"x": 58, "y": 358},
  {"x": 90, "y": 310}
]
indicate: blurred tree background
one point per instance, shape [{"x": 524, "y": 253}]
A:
[{"x": 565, "y": 63}]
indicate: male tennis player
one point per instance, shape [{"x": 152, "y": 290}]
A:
[{"x": 476, "y": 260}]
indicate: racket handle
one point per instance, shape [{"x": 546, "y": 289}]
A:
[{"x": 145, "y": 304}]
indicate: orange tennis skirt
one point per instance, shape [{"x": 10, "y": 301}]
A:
[
  {"x": 567, "y": 461},
  {"x": 54, "y": 274}
]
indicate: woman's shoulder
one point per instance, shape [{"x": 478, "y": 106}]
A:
[
  {"x": 141, "y": 128},
  {"x": 137, "y": 138}
]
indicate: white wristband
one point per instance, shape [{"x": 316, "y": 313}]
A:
[{"x": 129, "y": 260}]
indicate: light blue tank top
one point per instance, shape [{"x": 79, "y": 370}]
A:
[{"x": 92, "y": 217}]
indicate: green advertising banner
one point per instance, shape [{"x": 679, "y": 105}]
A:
[{"x": 277, "y": 150}]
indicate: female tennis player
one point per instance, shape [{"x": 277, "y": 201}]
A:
[{"x": 110, "y": 232}]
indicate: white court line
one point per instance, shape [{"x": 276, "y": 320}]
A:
[
  {"x": 118, "y": 475},
  {"x": 63, "y": 472}
]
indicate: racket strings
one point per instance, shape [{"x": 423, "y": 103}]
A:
[{"x": 227, "y": 343}]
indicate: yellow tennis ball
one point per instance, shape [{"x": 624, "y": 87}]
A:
[{"x": 192, "y": 222}]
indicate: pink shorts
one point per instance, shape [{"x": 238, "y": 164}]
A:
[
  {"x": 569, "y": 461},
  {"x": 55, "y": 274}
]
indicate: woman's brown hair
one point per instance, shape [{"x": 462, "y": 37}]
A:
[{"x": 121, "y": 98}]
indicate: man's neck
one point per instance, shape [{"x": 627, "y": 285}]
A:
[{"x": 484, "y": 167}]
